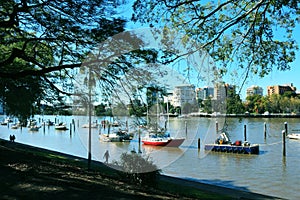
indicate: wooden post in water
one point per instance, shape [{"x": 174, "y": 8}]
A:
[
  {"x": 265, "y": 130},
  {"x": 245, "y": 132},
  {"x": 185, "y": 123},
  {"x": 198, "y": 143},
  {"x": 283, "y": 143},
  {"x": 44, "y": 127},
  {"x": 217, "y": 127},
  {"x": 139, "y": 131},
  {"x": 286, "y": 128},
  {"x": 70, "y": 128}
]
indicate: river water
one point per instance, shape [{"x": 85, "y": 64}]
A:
[{"x": 268, "y": 173}]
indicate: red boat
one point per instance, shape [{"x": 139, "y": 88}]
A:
[{"x": 162, "y": 141}]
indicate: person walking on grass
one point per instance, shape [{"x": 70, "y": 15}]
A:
[{"x": 106, "y": 156}]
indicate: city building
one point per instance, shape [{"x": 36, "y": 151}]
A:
[
  {"x": 204, "y": 93},
  {"x": 223, "y": 90},
  {"x": 280, "y": 89},
  {"x": 254, "y": 89},
  {"x": 183, "y": 94}
]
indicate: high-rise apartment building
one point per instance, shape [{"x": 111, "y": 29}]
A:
[
  {"x": 223, "y": 90},
  {"x": 204, "y": 93},
  {"x": 280, "y": 89},
  {"x": 183, "y": 94},
  {"x": 254, "y": 89}
]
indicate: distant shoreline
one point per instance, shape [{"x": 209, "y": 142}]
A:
[{"x": 271, "y": 115}]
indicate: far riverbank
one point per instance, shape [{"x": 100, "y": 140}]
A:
[{"x": 246, "y": 115}]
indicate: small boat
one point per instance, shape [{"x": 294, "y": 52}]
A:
[
  {"x": 61, "y": 126},
  {"x": 295, "y": 136},
  {"x": 93, "y": 125},
  {"x": 162, "y": 140},
  {"x": 6, "y": 121},
  {"x": 118, "y": 136},
  {"x": 223, "y": 144},
  {"x": 15, "y": 126}
]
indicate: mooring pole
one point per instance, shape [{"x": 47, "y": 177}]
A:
[
  {"x": 217, "y": 127},
  {"x": 44, "y": 127},
  {"x": 283, "y": 143},
  {"x": 265, "y": 130},
  {"x": 185, "y": 123},
  {"x": 286, "y": 128},
  {"x": 198, "y": 143},
  {"x": 70, "y": 128},
  {"x": 245, "y": 132},
  {"x": 139, "y": 131}
]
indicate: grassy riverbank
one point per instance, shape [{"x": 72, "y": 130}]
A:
[{"x": 32, "y": 173}]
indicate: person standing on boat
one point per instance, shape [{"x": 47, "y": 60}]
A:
[{"x": 106, "y": 156}]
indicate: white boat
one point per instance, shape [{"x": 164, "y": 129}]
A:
[
  {"x": 93, "y": 125},
  {"x": 295, "y": 136},
  {"x": 61, "y": 126},
  {"x": 118, "y": 136},
  {"x": 6, "y": 121}
]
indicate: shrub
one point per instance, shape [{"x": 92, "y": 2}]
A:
[{"x": 138, "y": 169}]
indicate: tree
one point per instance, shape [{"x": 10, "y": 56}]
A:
[
  {"x": 239, "y": 32},
  {"x": 251, "y": 102},
  {"x": 48, "y": 40},
  {"x": 234, "y": 105},
  {"x": 42, "y": 40},
  {"x": 207, "y": 105}
]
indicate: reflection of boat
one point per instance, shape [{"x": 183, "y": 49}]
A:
[
  {"x": 295, "y": 136},
  {"x": 162, "y": 140},
  {"x": 223, "y": 144},
  {"x": 34, "y": 128},
  {"x": 49, "y": 123},
  {"x": 93, "y": 125},
  {"x": 118, "y": 136},
  {"x": 61, "y": 126}
]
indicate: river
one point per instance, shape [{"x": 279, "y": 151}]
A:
[{"x": 268, "y": 173}]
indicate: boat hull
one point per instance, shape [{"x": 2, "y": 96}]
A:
[
  {"x": 61, "y": 128},
  {"x": 164, "y": 142},
  {"x": 228, "y": 148},
  {"x": 155, "y": 143},
  {"x": 294, "y": 136},
  {"x": 115, "y": 137}
]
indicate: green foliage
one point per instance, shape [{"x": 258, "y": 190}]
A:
[
  {"x": 207, "y": 105},
  {"x": 20, "y": 96},
  {"x": 137, "y": 169},
  {"x": 273, "y": 104},
  {"x": 234, "y": 105}
]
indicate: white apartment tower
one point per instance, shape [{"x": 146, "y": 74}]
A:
[{"x": 183, "y": 94}]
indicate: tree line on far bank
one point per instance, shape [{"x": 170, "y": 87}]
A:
[{"x": 286, "y": 103}]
